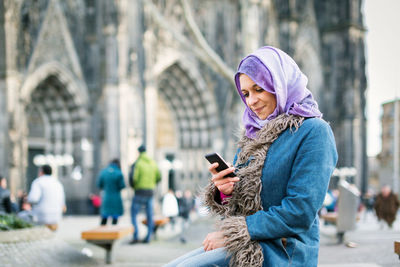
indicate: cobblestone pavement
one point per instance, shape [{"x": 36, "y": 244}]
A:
[
  {"x": 44, "y": 252},
  {"x": 374, "y": 246}
]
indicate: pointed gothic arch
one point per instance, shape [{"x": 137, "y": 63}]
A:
[
  {"x": 53, "y": 97},
  {"x": 72, "y": 84},
  {"x": 192, "y": 108}
]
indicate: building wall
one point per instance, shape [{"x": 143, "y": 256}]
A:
[
  {"x": 386, "y": 156},
  {"x": 102, "y": 77},
  {"x": 4, "y": 159}
]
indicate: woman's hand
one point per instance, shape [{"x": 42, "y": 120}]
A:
[
  {"x": 213, "y": 240},
  {"x": 224, "y": 184}
]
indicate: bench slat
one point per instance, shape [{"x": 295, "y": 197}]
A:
[
  {"x": 397, "y": 247},
  {"x": 107, "y": 232},
  {"x": 158, "y": 221},
  {"x": 330, "y": 217}
]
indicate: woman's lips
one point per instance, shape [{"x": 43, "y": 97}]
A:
[{"x": 258, "y": 110}]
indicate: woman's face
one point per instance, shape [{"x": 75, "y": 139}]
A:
[{"x": 261, "y": 102}]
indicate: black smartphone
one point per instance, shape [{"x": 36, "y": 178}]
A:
[{"x": 222, "y": 165}]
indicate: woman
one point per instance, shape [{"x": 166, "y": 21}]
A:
[
  {"x": 111, "y": 181},
  {"x": 283, "y": 165}
]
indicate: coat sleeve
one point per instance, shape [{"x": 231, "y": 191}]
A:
[{"x": 311, "y": 171}]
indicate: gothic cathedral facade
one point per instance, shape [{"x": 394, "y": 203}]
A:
[{"x": 85, "y": 81}]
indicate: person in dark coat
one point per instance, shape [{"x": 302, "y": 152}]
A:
[
  {"x": 5, "y": 200},
  {"x": 186, "y": 205},
  {"x": 111, "y": 181},
  {"x": 386, "y": 205}
]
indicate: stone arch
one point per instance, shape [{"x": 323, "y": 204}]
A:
[
  {"x": 72, "y": 84},
  {"x": 193, "y": 108},
  {"x": 61, "y": 102}
]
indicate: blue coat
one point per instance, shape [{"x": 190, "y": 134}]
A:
[
  {"x": 111, "y": 181},
  {"x": 295, "y": 179}
]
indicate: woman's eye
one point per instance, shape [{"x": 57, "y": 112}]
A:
[
  {"x": 259, "y": 90},
  {"x": 245, "y": 94}
]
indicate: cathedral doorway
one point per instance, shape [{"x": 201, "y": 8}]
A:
[
  {"x": 56, "y": 127},
  {"x": 185, "y": 127}
]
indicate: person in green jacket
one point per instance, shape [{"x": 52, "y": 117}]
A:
[
  {"x": 145, "y": 176},
  {"x": 111, "y": 181}
]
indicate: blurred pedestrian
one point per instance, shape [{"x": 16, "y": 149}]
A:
[
  {"x": 47, "y": 198},
  {"x": 145, "y": 177},
  {"x": 331, "y": 200},
  {"x": 386, "y": 205},
  {"x": 284, "y": 161},
  {"x": 5, "y": 196},
  {"x": 25, "y": 208},
  {"x": 369, "y": 200},
  {"x": 23, "y": 203},
  {"x": 186, "y": 205},
  {"x": 170, "y": 207},
  {"x": 111, "y": 182}
]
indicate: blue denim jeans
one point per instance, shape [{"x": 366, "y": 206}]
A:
[
  {"x": 137, "y": 203},
  {"x": 200, "y": 258}
]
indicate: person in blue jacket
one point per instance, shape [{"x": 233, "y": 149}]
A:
[
  {"x": 111, "y": 181},
  {"x": 285, "y": 158}
]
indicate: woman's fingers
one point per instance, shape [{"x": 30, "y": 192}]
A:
[
  {"x": 212, "y": 168},
  {"x": 222, "y": 174},
  {"x": 213, "y": 240},
  {"x": 207, "y": 243},
  {"x": 224, "y": 184},
  {"x": 226, "y": 189}
]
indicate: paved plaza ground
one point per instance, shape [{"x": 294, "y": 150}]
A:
[{"x": 374, "y": 246}]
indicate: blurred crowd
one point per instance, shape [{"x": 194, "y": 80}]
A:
[
  {"x": 384, "y": 204},
  {"x": 45, "y": 202}
]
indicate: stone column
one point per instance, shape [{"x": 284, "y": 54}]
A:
[
  {"x": 150, "y": 92},
  {"x": 151, "y": 103},
  {"x": 4, "y": 150},
  {"x": 342, "y": 48},
  {"x": 112, "y": 94},
  {"x": 250, "y": 20},
  {"x": 112, "y": 121},
  {"x": 16, "y": 129}
]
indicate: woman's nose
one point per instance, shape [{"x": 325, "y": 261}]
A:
[{"x": 252, "y": 99}]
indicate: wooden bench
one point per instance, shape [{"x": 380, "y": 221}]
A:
[
  {"x": 106, "y": 237},
  {"x": 158, "y": 222},
  {"x": 330, "y": 217},
  {"x": 397, "y": 247}
]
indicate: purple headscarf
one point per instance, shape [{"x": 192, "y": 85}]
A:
[{"x": 276, "y": 72}]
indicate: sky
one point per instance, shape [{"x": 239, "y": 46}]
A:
[{"x": 383, "y": 63}]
